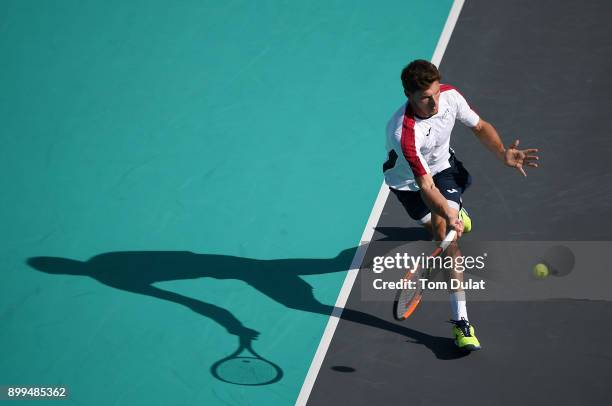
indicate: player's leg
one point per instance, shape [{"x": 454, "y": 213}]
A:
[
  {"x": 439, "y": 232},
  {"x": 462, "y": 330},
  {"x": 415, "y": 207},
  {"x": 452, "y": 183}
]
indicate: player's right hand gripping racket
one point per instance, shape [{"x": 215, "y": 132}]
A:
[{"x": 406, "y": 299}]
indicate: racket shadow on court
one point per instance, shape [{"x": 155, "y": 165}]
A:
[{"x": 279, "y": 279}]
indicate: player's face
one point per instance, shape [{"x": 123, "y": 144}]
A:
[{"x": 425, "y": 102}]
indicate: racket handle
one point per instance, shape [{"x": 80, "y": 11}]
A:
[{"x": 448, "y": 239}]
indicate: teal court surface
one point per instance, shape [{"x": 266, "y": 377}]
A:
[
  {"x": 191, "y": 198},
  {"x": 181, "y": 177}
]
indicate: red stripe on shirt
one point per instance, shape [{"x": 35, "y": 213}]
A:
[{"x": 409, "y": 145}]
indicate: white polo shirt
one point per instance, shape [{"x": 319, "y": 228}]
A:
[{"x": 418, "y": 146}]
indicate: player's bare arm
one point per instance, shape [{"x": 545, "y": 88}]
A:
[
  {"x": 512, "y": 156},
  {"x": 438, "y": 203}
]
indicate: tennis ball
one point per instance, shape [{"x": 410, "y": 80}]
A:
[{"x": 540, "y": 271}]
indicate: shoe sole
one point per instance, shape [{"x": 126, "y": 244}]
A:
[{"x": 468, "y": 347}]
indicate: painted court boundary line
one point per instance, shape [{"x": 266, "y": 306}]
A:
[{"x": 366, "y": 237}]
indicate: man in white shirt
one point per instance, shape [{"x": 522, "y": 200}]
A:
[{"x": 423, "y": 172}]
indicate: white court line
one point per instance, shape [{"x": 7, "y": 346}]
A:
[
  {"x": 366, "y": 237},
  {"x": 453, "y": 16}
]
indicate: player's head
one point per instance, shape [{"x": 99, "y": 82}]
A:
[{"x": 421, "y": 81}]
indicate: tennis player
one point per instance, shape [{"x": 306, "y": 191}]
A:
[{"x": 423, "y": 172}]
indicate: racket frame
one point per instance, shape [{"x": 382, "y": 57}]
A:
[{"x": 413, "y": 303}]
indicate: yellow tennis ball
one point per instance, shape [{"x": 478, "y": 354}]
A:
[{"x": 540, "y": 271}]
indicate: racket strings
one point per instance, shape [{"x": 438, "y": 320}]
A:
[{"x": 247, "y": 370}]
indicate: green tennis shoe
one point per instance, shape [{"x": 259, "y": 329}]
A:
[
  {"x": 464, "y": 335},
  {"x": 465, "y": 218}
]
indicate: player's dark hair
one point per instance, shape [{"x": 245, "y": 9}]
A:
[{"x": 419, "y": 75}]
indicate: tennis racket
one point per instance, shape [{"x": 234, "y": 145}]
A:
[
  {"x": 245, "y": 367},
  {"x": 406, "y": 299}
]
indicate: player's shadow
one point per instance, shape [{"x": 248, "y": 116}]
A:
[{"x": 279, "y": 279}]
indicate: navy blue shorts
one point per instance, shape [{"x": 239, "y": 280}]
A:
[{"x": 452, "y": 183}]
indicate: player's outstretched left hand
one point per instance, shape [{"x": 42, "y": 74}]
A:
[{"x": 517, "y": 158}]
